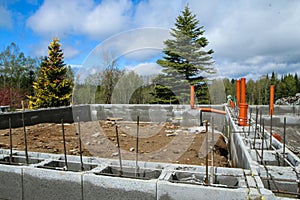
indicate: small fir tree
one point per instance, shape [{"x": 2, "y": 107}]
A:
[
  {"x": 185, "y": 61},
  {"x": 53, "y": 86}
]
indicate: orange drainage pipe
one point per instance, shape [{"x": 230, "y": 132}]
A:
[
  {"x": 271, "y": 107},
  {"x": 192, "y": 96},
  {"x": 242, "y": 119},
  {"x": 238, "y": 92},
  {"x": 212, "y": 110},
  {"x": 243, "y": 90}
]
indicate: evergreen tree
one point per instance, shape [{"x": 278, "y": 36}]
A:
[
  {"x": 53, "y": 86},
  {"x": 185, "y": 62},
  {"x": 297, "y": 82}
]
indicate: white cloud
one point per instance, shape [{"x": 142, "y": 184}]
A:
[
  {"x": 63, "y": 17},
  {"x": 146, "y": 69},
  {"x": 70, "y": 52},
  {"x": 6, "y": 20},
  {"x": 250, "y": 37},
  {"x": 157, "y": 13}
]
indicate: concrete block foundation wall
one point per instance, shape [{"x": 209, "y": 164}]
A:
[
  {"x": 46, "y": 178},
  {"x": 275, "y": 171},
  {"x": 156, "y": 181},
  {"x": 180, "y": 114}
]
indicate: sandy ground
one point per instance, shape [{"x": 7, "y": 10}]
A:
[{"x": 156, "y": 142}]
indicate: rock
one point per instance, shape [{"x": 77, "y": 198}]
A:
[
  {"x": 97, "y": 134},
  {"x": 5, "y": 134},
  {"x": 131, "y": 149},
  {"x": 169, "y": 131},
  {"x": 176, "y": 151},
  {"x": 178, "y": 131},
  {"x": 123, "y": 135},
  {"x": 171, "y": 134},
  {"x": 114, "y": 154}
]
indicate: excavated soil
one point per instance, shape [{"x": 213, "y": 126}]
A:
[{"x": 163, "y": 142}]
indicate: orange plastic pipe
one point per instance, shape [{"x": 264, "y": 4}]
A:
[
  {"x": 271, "y": 100},
  {"x": 243, "y": 90},
  {"x": 243, "y": 114},
  {"x": 212, "y": 110},
  {"x": 238, "y": 92},
  {"x": 192, "y": 96}
]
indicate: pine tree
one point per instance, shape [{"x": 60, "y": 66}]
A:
[
  {"x": 185, "y": 61},
  {"x": 53, "y": 86}
]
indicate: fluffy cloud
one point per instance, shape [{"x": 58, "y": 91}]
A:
[
  {"x": 250, "y": 38},
  {"x": 145, "y": 69},
  {"x": 6, "y": 20},
  {"x": 63, "y": 17}
]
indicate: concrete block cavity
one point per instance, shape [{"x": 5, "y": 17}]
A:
[
  {"x": 71, "y": 166},
  {"x": 51, "y": 184},
  {"x": 10, "y": 182},
  {"x": 130, "y": 172}
]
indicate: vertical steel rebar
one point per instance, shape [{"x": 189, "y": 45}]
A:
[
  {"x": 271, "y": 134},
  {"x": 212, "y": 178},
  {"x": 284, "y": 141},
  {"x": 260, "y": 120},
  {"x": 64, "y": 141},
  {"x": 10, "y": 141},
  {"x": 25, "y": 138},
  {"x": 256, "y": 116},
  {"x": 249, "y": 122},
  {"x": 80, "y": 145},
  {"x": 206, "y": 145},
  {"x": 119, "y": 151},
  {"x": 137, "y": 147},
  {"x": 262, "y": 143}
]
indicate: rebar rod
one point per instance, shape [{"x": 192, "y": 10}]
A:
[
  {"x": 119, "y": 151},
  {"x": 262, "y": 143},
  {"x": 212, "y": 152},
  {"x": 256, "y": 115},
  {"x": 284, "y": 139},
  {"x": 249, "y": 122},
  {"x": 25, "y": 139},
  {"x": 80, "y": 144},
  {"x": 271, "y": 122},
  {"x": 260, "y": 119},
  {"x": 64, "y": 141},
  {"x": 206, "y": 147},
  {"x": 10, "y": 141},
  {"x": 137, "y": 147}
]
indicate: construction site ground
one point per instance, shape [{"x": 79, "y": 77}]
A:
[{"x": 165, "y": 143}]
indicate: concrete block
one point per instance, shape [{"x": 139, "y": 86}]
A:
[
  {"x": 268, "y": 195},
  {"x": 109, "y": 187},
  {"x": 179, "y": 191},
  {"x": 251, "y": 181},
  {"x": 51, "y": 184},
  {"x": 254, "y": 194},
  {"x": 10, "y": 182}
]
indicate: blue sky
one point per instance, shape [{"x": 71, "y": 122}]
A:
[{"x": 250, "y": 37}]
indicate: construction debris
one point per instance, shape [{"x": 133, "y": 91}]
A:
[{"x": 289, "y": 100}]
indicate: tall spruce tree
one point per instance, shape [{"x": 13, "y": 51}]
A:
[
  {"x": 185, "y": 62},
  {"x": 53, "y": 86}
]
